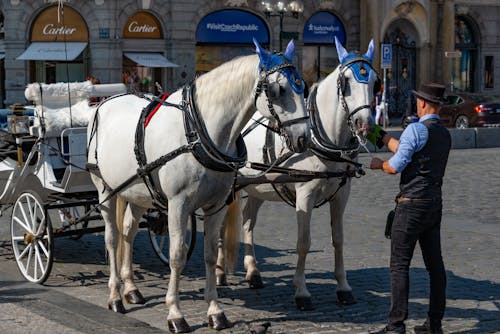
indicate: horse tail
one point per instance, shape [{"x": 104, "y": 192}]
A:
[
  {"x": 121, "y": 206},
  {"x": 232, "y": 232}
]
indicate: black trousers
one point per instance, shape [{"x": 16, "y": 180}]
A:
[{"x": 417, "y": 220}]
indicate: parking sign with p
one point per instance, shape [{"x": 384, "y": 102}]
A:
[{"x": 386, "y": 56}]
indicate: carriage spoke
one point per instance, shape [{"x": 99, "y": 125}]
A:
[
  {"x": 21, "y": 207},
  {"x": 35, "y": 267},
  {"x": 30, "y": 254},
  {"x": 18, "y": 238},
  {"x": 24, "y": 251},
  {"x": 23, "y": 225},
  {"x": 32, "y": 212},
  {"x": 40, "y": 263},
  {"x": 42, "y": 246}
]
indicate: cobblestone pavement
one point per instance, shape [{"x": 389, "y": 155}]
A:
[{"x": 471, "y": 248}]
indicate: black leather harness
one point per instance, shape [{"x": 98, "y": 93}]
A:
[{"x": 198, "y": 143}]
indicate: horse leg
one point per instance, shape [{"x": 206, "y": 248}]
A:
[
  {"x": 304, "y": 206},
  {"x": 337, "y": 207},
  {"x": 177, "y": 225},
  {"x": 111, "y": 238},
  {"x": 130, "y": 226},
  {"x": 249, "y": 219},
  {"x": 216, "y": 317},
  {"x": 220, "y": 267}
]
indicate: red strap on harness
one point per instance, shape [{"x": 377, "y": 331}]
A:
[{"x": 152, "y": 113}]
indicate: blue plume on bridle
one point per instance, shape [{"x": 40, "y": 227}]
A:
[
  {"x": 291, "y": 74},
  {"x": 281, "y": 62},
  {"x": 362, "y": 72}
]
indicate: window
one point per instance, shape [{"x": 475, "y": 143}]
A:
[
  {"x": 464, "y": 68},
  {"x": 2, "y": 30},
  {"x": 488, "y": 72}
]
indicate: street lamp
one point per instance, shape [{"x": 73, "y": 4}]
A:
[{"x": 281, "y": 9}]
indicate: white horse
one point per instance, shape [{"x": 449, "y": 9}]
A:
[
  {"x": 340, "y": 111},
  {"x": 198, "y": 126}
]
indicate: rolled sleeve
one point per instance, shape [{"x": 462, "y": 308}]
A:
[{"x": 412, "y": 140}]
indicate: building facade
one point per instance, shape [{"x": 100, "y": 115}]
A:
[{"x": 154, "y": 45}]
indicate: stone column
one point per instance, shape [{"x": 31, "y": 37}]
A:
[{"x": 448, "y": 39}]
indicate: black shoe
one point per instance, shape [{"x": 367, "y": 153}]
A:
[
  {"x": 390, "y": 330},
  {"x": 428, "y": 328}
]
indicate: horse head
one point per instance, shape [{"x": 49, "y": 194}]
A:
[
  {"x": 357, "y": 84},
  {"x": 280, "y": 96}
]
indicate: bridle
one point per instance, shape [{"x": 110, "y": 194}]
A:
[
  {"x": 341, "y": 83},
  {"x": 263, "y": 86}
]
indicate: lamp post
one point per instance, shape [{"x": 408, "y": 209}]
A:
[{"x": 281, "y": 9}]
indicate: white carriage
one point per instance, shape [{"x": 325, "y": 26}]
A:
[{"x": 45, "y": 180}]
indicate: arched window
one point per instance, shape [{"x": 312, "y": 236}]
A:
[{"x": 464, "y": 67}]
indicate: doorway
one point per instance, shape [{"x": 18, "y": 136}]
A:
[{"x": 401, "y": 78}]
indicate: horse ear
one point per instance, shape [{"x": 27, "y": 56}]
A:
[
  {"x": 290, "y": 50},
  {"x": 263, "y": 54},
  {"x": 341, "y": 52},
  {"x": 371, "y": 51}
]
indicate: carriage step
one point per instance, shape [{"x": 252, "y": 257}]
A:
[{"x": 68, "y": 204}]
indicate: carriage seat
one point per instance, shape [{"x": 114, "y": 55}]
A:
[{"x": 63, "y": 105}]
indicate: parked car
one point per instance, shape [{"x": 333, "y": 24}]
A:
[{"x": 462, "y": 111}]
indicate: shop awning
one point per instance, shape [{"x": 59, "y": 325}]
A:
[
  {"x": 62, "y": 51},
  {"x": 148, "y": 59}
]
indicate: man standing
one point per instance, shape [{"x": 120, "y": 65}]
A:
[{"x": 420, "y": 155}]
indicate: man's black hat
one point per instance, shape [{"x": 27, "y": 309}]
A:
[{"x": 431, "y": 92}]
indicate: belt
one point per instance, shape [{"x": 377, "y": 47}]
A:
[{"x": 403, "y": 199}]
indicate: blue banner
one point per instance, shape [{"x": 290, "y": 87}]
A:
[
  {"x": 322, "y": 27},
  {"x": 232, "y": 26}
]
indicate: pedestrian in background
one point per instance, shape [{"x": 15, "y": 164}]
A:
[
  {"x": 420, "y": 155},
  {"x": 379, "y": 106}
]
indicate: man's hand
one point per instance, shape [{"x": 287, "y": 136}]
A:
[
  {"x": 375, "y": 135},
  {"x": 376, "y": 163}
]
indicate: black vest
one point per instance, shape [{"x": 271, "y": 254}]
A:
[{"x": 423, "y": 176}]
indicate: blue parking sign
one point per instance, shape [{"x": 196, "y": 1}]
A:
[{"x": 386, "y": 56}]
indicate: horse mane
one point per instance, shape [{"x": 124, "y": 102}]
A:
[{"x": 237, "y": 75}]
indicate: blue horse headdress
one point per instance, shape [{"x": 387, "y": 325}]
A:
[
  {"x": 278, "y": 61},
  {"x": 362, "y": 72}
]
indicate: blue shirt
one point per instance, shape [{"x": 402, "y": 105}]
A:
[{"x": 412, "y": 140}]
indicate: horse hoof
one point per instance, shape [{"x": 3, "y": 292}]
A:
[
  {"x": 218, "y": 321},
  {"x": 304, "y": 303},
  {"x": 178, "y": 326},
  {"x": 117, "y": 306},
  {"x": 345, "y": 298},
  {"x": 255, "y": 282},
  {"x": 135, "y": 297},
  {"x": 221, "y": 280}
]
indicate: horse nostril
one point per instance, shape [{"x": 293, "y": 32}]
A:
[{"x": 302, "y": 143}]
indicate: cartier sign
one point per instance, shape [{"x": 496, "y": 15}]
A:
[
  {"x": 71, "y": 27},
  {"x": 142, "y": 25}
]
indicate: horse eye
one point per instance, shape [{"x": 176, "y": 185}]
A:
[
  {"x": 347, "y": 88},
  {"x": 275, "y": 90}
]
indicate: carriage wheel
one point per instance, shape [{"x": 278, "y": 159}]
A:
[
  {"x": 159, "y": 237},
  {"x": 32, "y": 240}
]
